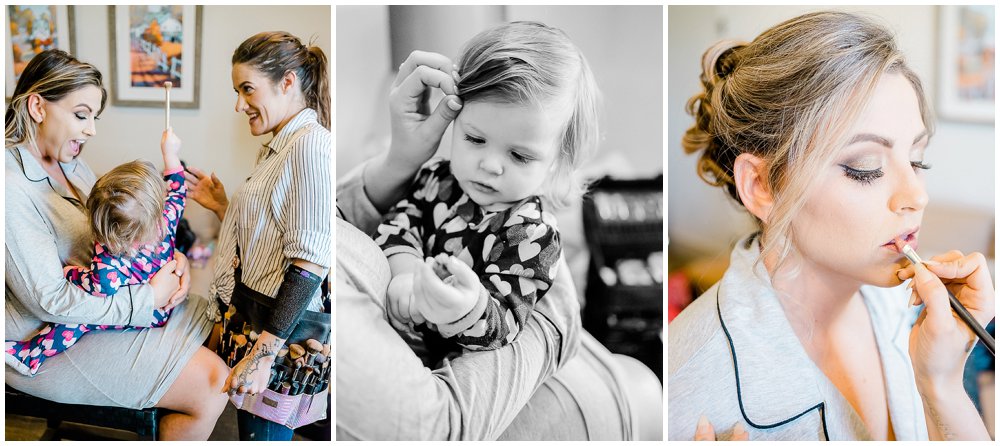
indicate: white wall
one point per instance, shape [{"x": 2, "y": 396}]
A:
[
  {"x": 215, "y": 136},
  {"x": 703, "y": 219},
  {"x": 624, "y": 46}
]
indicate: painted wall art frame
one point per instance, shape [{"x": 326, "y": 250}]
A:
[
  {"x": 966, "y": 89},
  {"x": 151, "y": 45},
  {"x": 32, "y": 29}
]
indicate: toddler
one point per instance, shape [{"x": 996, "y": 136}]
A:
[
  {"x": 528, "y": 122},
  {"x": 134, "y": 228}
]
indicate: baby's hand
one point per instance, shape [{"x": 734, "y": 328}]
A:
[
  {"x": 445, "y": 301},
  {"x": 170, "y": 146},
  {"x": 439, "y": 268},
  {"x": 399, "y": 303}
]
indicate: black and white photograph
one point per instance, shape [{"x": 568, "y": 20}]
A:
[{"x": 499, "y": 222}]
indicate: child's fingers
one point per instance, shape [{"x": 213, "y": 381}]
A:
[
  {"x": 216, "y": 180},
  {"x": 463, "y": 274},
  {"x": 428, "y": 282}
]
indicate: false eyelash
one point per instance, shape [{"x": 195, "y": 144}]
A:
[
  {"x": 920, "y": 165},
  {"x": 862, "y": 176}
]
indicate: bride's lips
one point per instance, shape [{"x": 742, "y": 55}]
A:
[{"x": 908, "y": 237}]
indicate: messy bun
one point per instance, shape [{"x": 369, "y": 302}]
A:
[
  {"x": 789, "y": 97},
  {"x": 715, "y": 165}
]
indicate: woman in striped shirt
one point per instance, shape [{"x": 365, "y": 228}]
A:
[{"x": 278, "y": 221}]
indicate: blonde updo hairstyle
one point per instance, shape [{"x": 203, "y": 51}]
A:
[
  {"x": 126, "y": 207},
  {"x": 532, "y": 63},
  {"x": 790, "y": 98}
]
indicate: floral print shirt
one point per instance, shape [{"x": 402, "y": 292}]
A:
[
  {"x": 107, "y": 273},
  {"x": 513, "y": 251}
]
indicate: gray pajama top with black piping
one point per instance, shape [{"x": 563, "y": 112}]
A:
[
  {"x": 734, "y": 357},
  {"x": 46, "y": 228}
]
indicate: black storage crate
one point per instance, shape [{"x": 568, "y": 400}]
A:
[{"x": 623, "y": 219}]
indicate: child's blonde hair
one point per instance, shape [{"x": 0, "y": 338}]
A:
[
  {"x": 126, "y": 207},
  {"x": 531, "y": 63}
]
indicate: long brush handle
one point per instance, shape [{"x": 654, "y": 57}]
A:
[
  {"x": 166, "y": 86},
  {"x": 972, "y": 323}
]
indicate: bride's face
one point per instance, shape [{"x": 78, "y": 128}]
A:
[{"x": 871, "y": 193}]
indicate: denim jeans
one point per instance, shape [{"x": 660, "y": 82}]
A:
[{"x": 254, "y": 428}]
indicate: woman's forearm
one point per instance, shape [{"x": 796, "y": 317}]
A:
[
  {"x": 950, "y": 414},
  {"x": 386, "y": 179}
]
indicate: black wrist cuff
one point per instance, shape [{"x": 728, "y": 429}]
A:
[{"x": 292, "y": 300}]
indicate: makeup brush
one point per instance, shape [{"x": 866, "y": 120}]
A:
[
  {"x": 295, "y": 352},
  {"x": 955, "y": 304},
  {"x": 166, "y": 88}
]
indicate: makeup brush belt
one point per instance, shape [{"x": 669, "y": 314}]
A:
[
  {"x": 297, "y": 391},
  {"x": 258, "y": 310},
  {"x": 255, "y": 309}
]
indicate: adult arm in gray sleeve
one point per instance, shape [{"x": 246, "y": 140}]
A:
[{"x": 34, "y": 274}]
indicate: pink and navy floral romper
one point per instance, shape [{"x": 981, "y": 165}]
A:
[
  {"x": 513, "y": 251},
  {"x": 105, "y": 276}
]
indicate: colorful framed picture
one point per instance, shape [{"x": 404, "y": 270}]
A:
[
  {"x": 967, "y": 49},
  {"x": 32, "y": 29},
  {"x": 151, "y": 45}
]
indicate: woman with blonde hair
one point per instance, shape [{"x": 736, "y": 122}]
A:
[
  {"x": 51, "y": 115},
  {"x": 818, "y": 128}
]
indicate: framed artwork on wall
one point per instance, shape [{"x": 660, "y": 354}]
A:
[
  {"x": 32, "y": 29},
  {"x": 966, "y": 89},
  {"x": 151, "y": 45}
]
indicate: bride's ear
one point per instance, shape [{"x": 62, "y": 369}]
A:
[
  {"x": 35, "y": 108},
  {"x": 750, "y": 174}
]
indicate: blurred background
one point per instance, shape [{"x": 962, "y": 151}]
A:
[
  {"x": 618, "y": 232},
  {"x": 952, "y": 51},
  {"x": 215, "y": 138}
]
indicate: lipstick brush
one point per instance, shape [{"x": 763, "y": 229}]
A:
[{"x": 956, "y": 305}]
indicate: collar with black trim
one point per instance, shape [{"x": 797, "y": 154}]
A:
[
  {"x": 784, "y": 388},
  {"x": 35, "y": 173}
]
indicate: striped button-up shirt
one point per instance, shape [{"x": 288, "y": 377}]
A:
[{"x": 282, "y": 212}]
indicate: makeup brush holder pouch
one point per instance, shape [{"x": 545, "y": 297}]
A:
[
  {"x": 253, "y": 309},
  {"x": 292, "y": 411}
]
